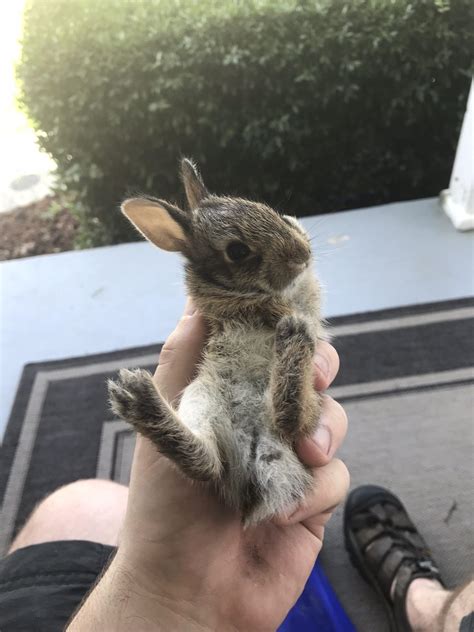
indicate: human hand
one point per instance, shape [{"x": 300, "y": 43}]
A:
[{"x": 184, "y": 561}]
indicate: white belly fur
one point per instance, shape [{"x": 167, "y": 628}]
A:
[{"x": 232, "y": 384}]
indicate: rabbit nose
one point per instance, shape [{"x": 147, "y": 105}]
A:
[{"x": 299, "y": 258}]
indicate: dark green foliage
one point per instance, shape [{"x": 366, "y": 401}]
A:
[{"x": 310, "y": 105}]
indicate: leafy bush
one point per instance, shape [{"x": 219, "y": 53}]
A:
[{"x": 311, "y": 105}]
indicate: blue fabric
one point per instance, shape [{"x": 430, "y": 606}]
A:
[{"x": 318, "y": 609}]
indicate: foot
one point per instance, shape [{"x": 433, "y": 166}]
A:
[
  {"x": 424, "y": 602},
  {"x": 296, "y": 405},
  {"x": 133, "y": 395},
  {"x": 292, "y": 331},
  {"x": 387, "y": 550}
]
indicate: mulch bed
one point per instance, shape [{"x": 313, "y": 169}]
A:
[{"x": 36, "y": 229}]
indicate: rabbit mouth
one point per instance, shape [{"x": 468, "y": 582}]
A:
[{"x": 284, "y": 279}]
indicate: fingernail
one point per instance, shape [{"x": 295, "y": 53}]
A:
[
  {"x": 322, "y": 364},
  {"x": 189, "y": 308},
  {"x": 322, "y": 438}
]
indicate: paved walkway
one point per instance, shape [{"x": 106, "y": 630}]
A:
[
  {"x": 26, "y": 176},
  {"x": 25, "y": 171},
  {"x": 104, "y": 299}
]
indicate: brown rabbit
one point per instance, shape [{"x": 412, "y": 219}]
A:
[{"x": 248, "y": 270}]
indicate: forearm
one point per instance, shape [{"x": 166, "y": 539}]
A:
[{"x": 119, "y": 604}]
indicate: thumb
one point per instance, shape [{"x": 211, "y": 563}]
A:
[{"x": 180, "y": 354}]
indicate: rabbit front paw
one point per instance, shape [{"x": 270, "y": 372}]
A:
[
  {"x": 293, "y": 332},
  {"x": 295, "y": 404},
  {"x": 133, "y": 395}
]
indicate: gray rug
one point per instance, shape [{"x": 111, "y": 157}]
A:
[{"x": 406, "y": 382}]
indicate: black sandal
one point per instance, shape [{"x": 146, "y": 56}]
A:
[{"x": 386, "y": 548}]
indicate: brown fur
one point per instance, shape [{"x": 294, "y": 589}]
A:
[
  {"x": 248, "y": 272},
  {"x": 135, "y": 398},
  {"x": 296, "y": 405}
]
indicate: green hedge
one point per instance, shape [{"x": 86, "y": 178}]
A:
[{"x": 313, "y": 105}]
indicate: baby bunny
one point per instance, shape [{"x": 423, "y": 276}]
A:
[{"x": 248, "y": 270}]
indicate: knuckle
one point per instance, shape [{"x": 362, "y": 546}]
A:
[
  {"x": 335, "y": 409},
  {"x": 331, "y": 484},
  {"x": 332, "y": 356},
  {"x": 342, "y": 414},
  {"x": 343, "y": 477},
  {"x": 169, "y": 349},
  {"x": 167, "y": 354},
  {"x": 335, "y": 360}
]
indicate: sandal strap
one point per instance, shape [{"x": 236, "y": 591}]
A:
[
  {"x": 394, "y": 550},
  {"x": 390, "y": 567},
  {"x": 367, "y": 535},
  {"x": 378, "y": 550}
]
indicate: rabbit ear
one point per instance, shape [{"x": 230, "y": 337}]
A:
[
  {"x": 193, "y": 184},
  {"x": 160, "y": 222}
]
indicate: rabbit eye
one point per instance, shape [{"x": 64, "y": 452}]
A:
[{"x": 237, "y": 251}]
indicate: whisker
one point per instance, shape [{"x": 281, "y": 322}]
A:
[{"x": 315, "y": 225}]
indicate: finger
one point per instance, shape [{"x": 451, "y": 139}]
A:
[
  {"x": 180, "y": 354},
  {"x": 319, "y": 449},
  {"x": 326, "y": 365},
  {"x": 330, "y": 486},
  {"x": 315, "y": 522}
]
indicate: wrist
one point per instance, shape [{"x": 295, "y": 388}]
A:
[{"x": 124, "y": 599}]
